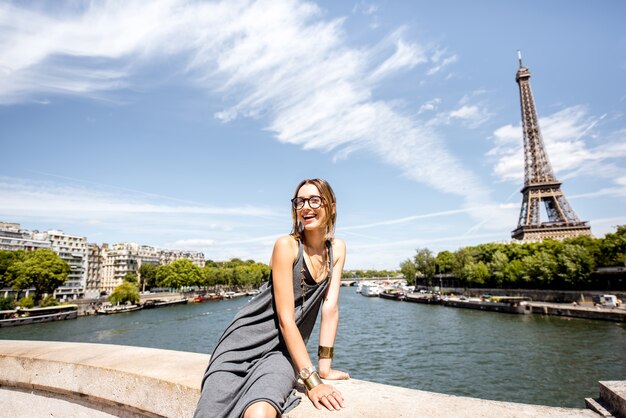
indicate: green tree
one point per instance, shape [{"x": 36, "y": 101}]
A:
[
  {"x": 7, "y": 259},
  {"x": 539, "y": 269},
  {"x": 210, "y": 263},
  {"x": 425, "y": 263},
  {"x": 148, "y": 276},
  {"x": 178, "y": 274},
  {"x": 126, "y": 292},
  {"x": 445, "y": 262},
  {"x": 462, "y": 257},
  {"x": 476, "y": 273},
  {"x": 575, "y": 264},
  {"x": 498, "y": 267},
  {"x": 613, "y": 248},
  {"x": 7, "y": 304},
  {"x": 26, "y": 302},
  {"x": 408, "y": 270},
  {"x": 514, "y": 272},
  {"x": 42, "y": 269},
  {"x": 48, "y": 301},
  {"x": 130, "y": 278}
]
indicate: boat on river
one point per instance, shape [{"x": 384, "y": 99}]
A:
[
  {"x": 370, "y": 289},
  {"x": 207, "y": 298},
  {"x": 232, "y": 295},
  {"x": 392, "y": 293},
  {"x": 23, "y": 316},
  {"x": 115, "y": 309},
  {"x": 427, "y": 298},
  {"x": 158, "y": 303},
  {"x": 508, "y": 304}
]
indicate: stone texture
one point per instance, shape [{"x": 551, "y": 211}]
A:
[
  {"x": 152, "y": 382},
  {"x": 613, "y": 397}
]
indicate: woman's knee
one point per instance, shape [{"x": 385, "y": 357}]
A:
[{"x": 260, "y": 409}]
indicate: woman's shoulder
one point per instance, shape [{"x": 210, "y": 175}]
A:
[
  {"x": 286, "y": 243},
  {"x": 339, "y": 246}
]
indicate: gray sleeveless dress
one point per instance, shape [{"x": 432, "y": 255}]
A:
[{"x": 250, "y": 362}]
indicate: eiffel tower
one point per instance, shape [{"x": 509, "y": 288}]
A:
[{"x": 540, "y": 185}]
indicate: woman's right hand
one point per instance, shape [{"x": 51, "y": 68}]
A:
[{"x": 327, "y": 396}]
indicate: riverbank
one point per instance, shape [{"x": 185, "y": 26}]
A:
[
  {"x": 61, "y": 379},
  {"x": 522, "y": 305}
]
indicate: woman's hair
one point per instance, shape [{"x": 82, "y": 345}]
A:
[{"x": 328, "y": 198}]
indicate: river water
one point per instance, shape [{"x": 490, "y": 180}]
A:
[{"x": 520, "y": 358}]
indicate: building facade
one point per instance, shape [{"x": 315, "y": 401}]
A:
[
  {"x": 12, "y": 238},
  {"x": 73, "y": 250},
  {"x": 93, "y": 268}
]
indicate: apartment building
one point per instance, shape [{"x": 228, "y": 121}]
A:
[
  {"x": 93, "y": 268},
  {"x": 169, "y": 256},
  {"x": 13, "y": 238},
  {"x": 124, "y": 258},
  {"x": 73, "y": 250}
]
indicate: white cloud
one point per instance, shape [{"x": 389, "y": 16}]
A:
[
  {"x": 406, "y": 56},
  {"x": 365, "y": 8},
  {"x": 440, "y": 59},
  {"x": 430, "y": 105},
  {"x": 470, "y": 116},
  {"x": 278, "y": 60},
  {"x": 37, "y": 199}
]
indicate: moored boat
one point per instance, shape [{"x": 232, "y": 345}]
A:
[
  {"x": 115, "y": 309},
  {"x": 158, "y": 303},
  {"x": 370, "y": 289},
  {"x": 427, "y": 298},
  {"x": 23, "y": 316},
  {"x": 207, "y": 298},
  {"x": 517, "y": 305},
  {"x": 392, "y": 293},
  {"x": 232, "y": 295}
]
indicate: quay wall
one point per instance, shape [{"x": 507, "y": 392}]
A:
[
  {"x": 557, "y": 296},
  {"x": 113, "y": 380}
]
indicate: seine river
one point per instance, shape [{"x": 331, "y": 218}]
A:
[{"x": 520, "y": 358}]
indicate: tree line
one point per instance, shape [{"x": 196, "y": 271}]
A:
[
  {"x": 182, "y": 273},
  {"x": 368, "y": 274},
  {"x": 45, "y": 271},
  {"x": 548, "y": 264}
]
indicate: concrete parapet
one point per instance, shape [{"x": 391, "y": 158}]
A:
[
  {"x": 613, "y": 397},
  {"x": 135, "y": 381}
]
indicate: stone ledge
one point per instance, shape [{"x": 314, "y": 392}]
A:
[
  {"x": 613, "y": 396},
  {"x": 154, "y": 382}
]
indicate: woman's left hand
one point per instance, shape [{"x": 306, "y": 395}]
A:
[{"x": 334, "y": 375}]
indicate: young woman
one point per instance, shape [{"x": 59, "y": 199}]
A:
[{"x": 254, "y": 367}]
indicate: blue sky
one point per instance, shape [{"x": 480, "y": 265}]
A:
[{"x": 187, "y": 124}]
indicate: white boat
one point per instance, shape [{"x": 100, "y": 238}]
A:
[
  {"x": 359, "y": 287},
  {"x": 115, "y": 309},
  {"x": 370, "y": 289},
  {"x": 22, "y": 316}
]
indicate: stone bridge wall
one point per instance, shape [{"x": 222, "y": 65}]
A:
[{"x": 134, "y": 381}]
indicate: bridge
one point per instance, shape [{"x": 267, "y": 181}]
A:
[{"x": 40, "y": 378}]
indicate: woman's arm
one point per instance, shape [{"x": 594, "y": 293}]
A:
[
  {"x": 330, "y": 312},
  {"x": 283, "y": 257}
]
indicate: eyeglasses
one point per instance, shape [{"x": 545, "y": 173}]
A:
[{"x": 314, "y": 202}]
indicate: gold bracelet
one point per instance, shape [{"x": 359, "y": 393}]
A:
[
  {"x": 312, "y": 381},
  {"x": 325, "y": 352}
]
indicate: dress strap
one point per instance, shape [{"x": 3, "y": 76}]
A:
[{"x": 300, "y": 250}]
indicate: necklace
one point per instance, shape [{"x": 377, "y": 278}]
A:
[{"x": 325, "y": 263}]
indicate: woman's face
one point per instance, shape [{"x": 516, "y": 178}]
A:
[{"x": 311, "y": 218}]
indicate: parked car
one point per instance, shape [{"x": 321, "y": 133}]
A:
[{"x": 606, "y": 300}]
